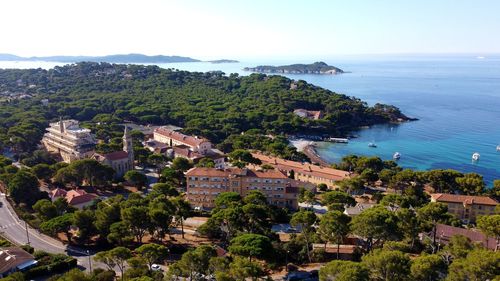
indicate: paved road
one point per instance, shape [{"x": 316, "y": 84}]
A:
[{"x": 14, "y": 229}]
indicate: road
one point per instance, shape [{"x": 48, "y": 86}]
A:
[{"x": 14, "y": 229}]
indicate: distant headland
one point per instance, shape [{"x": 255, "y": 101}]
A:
[
  {"x": 125, "y": 58},
  {"x": 314, "y": 68}
]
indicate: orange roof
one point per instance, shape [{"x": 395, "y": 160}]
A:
[
  {"x": 79, "y": 196},
  {"x": 305, "y": 168},
  {"x": 209, "y": 172},
  {"x": 275, "y": 174},
  {"x": 189, "y": 140},
  {"x": 112, "y": 156},
  {"x": 465, "y": 199}
]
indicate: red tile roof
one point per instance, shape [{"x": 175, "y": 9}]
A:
[
  {"x": 79, "y": 196},
  {"x": 304, "y": 168},
  {"x": 210, "y": 172},
  {"x": 189, "y": 140},
  {"x": 213, "y": 172},
  {"x": 464, "y": 199},
  {"x": 113, "y": 156},
  {"x": 445, "y": 232}
]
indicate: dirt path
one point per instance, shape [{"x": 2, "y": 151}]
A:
[{"x": 311, "y": 152}]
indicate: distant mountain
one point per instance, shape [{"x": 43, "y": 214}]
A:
[
  {"x": 314, "y": 68},
  {"x": 223, "y": 61},
  {"x": 129, "y": 58}
]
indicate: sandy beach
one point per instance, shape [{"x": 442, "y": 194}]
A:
[{"x": 308, "y": 148}]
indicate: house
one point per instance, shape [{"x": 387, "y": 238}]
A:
[
  {"x": 305, "y": 172},
  {"x": 346, "y": 252},
  {"x": 205, "y": 184},
  {"x": 14, "y": 259},
  {"x": 69, "y": 141},
  {"x": 173, "y": 138},
  {"x": 309, "y": 114},
  {"x": 465, "y": 207},
  {"x": 445, "y": 232},
  {"x": 77, "y": 198},
  {"x": 121, "y": 161},
  {"x": 356, "y": 210}
]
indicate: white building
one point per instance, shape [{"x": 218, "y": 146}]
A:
[
  {"x": 69, "y": 141},
  {"x": 173, "y": 138}
]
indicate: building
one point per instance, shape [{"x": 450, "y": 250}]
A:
[
  {"x": 66, "y": 139},
  {"x": 205, "y": 184},
  {"x": 309, "y": 114},
  {"x": 14, "y": 259},
  {"x": 173, "y": 138},
  {"x": 121, "y": 161},
  {"x": 77, "y": 198},
  {"x": 464, "y": 207},
  {"x": 305, "y": 172},
  {"x": 445, "y": 232}
]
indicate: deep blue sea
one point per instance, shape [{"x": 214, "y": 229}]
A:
[{"x": 456, "y": 98}]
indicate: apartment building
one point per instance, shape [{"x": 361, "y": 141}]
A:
[
  {"x": 205, "y": 184},
  {"x": 67, "y": 139},
  {"x": 305, "y": 172},
  {"x": 465, "y": 207}
]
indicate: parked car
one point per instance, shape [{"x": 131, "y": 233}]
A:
[{"x": 156, "y": 267}]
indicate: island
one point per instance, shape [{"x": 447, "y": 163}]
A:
[
  {"x": 314, "y": 68},
  {"x": 223, "y": 61},
  {"x": 120, "y": 58}
]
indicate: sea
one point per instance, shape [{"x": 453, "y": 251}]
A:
[{"x": 455, "y": 97}]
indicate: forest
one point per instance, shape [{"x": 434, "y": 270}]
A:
[{"x": 212, "y": 104}]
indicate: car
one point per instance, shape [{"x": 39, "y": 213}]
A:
[{"x": 156, "y": 267}]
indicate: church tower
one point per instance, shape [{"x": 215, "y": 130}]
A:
[{"x": 127, "y": 145}]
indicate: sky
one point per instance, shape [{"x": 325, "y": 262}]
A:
[{"x": 236, "y": 29}]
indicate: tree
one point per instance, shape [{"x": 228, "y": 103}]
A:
[
  {"x": 136, "y": 178},
  {"x": 43, "y": 171},
  {"x": 306, "y": 196},
  {"x": 84, "y": 220},
  {"x": 91, "y": 171},
  {"x": 304, "y": 220},
  {"x": 23, "y": 188},
  {"x": 428, "y": 268},
  {"x": 334, "y": 227},
  {"x": 152, "y": 253},
  {"x": 375, "y": 225},
  {"x": 62, "y": 206},
  {"x": 432, "y": 214},
  {"x": 337, "y": 198},
  {"x": 352, "y": 184},
  {"x": 120, "y": 234},
  {"x": 241, "y": 269},
  {"x": 107, "y": 213},
  {"x": 45, "y": 209},
  {"x": 58, "y": 224},
  {"x": 194, "y": 261},
  {"x": 387, "y": 265},
  {"x": 343, "y": 271},
  {"x": 160, "y": 220},
  {"x": 182, "y": 211},
  {"x": 137, "y": 218},
  {"x": 137, "y": 267},
  {"x": 251, "y": 245},
  {"x": 240, "y": 158},
  {"x": 471, "y": 184},
  {"x": 206, "y": 162},
  {"x": 458, "y": 247},
  {"x": 119, "y": 256},
  {"x": 181, "y": 164},
  {"x": 158, "y": 160},
  {"x": 322, "y": 187},
  {"x": 490, "y": 226},
  {"x": 480, "y": 264},
  {"x": 163, "y": 189},
  {"x": 408, "y": 224},
  {"x": 227, "y": 199}
]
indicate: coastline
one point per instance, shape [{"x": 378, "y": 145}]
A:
[{"x": 309, "y": 149}]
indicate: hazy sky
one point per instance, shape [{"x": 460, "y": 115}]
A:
[{"x": 252, "y": 28}]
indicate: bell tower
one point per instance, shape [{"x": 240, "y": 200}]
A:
[{"x": 127, "y": 143}]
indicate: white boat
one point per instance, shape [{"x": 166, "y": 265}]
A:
[
  {"x": 396, "y": 156},
  {"x": 475, "y": 156},
  {"x": 372, "y": 144},
  {"x": 498, "y": 147},
  {"x": 339, "y": 140}
]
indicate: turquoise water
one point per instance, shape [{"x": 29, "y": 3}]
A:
[{"x": 456, "y": 98}]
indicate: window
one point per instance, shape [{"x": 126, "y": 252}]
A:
[{"x": 234, "y": 183}]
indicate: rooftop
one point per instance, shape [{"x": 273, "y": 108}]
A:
[
  {"x": 305, "y": 168},
  {"x": 464, "y": 199},
  {"x": 213, "y": 172},
  {"x": 14, "y": 257},
  {"x": 189, "y": 140}
]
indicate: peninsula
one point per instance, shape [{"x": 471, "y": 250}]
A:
[
  {"x": 314, "y": 68},
  {"x": 119, "y": 58}
]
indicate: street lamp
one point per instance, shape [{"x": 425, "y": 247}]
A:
[
  {"x": 90, "y": 261},
  {"x": 286, "y": 260}
]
